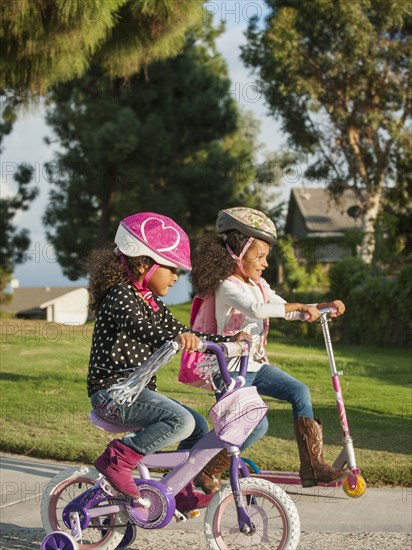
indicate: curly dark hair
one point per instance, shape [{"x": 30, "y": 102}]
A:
[
  {"x": 106, "y": 270},
  {"x": 211, "y": 263}
]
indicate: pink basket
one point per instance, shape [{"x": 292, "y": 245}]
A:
[{"x": 237, "y": 414}]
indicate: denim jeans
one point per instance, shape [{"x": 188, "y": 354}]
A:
[
  {"x": 163, "y": 421},
  {"x": 273, "y": 382}
]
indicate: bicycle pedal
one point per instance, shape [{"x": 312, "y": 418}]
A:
[
  {"x": 179, "y": 516},
  {"x": 108, "y": 489},
  {"x": 192, "y": 514}
]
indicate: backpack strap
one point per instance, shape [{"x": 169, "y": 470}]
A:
[
  {"x": 264, "y": 288},
  {"x": 194, "y": 308}
]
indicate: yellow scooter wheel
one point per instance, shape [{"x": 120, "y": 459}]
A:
[{"x": 354, "y": 490}]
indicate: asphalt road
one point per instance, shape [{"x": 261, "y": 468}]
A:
[{"x": 330, "y": 520}]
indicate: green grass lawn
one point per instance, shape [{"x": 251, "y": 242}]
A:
[{"x": 44, "y": 404}]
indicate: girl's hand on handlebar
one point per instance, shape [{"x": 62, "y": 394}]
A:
[
  {"x": 189, "y": 341},
  {"x": 337, "y": 304},
  {"x": 312, "y": 311}
]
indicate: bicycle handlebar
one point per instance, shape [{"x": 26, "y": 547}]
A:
[{"x": 228, "y": 349}]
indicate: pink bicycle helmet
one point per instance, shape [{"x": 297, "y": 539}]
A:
[
  {"x": 155, "y": 236},
  {"x": 249, "y": 222}
]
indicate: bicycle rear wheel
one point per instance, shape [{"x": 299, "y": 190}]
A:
[
  {"x": 104, "y": 532},
  {"x": 272, "y": 511}
]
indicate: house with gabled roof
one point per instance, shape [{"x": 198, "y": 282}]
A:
[
  {"x": 60, "y": 304},
  {"x": 314, "y": 215}
]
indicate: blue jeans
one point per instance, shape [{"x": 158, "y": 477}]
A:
[
  {"x": 273, "y": 382},
  {"x": 164, "y": 421}
]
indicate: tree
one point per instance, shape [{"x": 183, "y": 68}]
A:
[
  {"x": 171, "y": 140},
  {"x": 14, "y": 243},
  {"x": 394, "y": 227},
  {"x": 337, "y": 74},
  {"x": 47, "y": 42}
]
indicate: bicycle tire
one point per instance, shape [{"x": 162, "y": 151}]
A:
[
  {"x": 221, "y": 524},
  {"x": 63, "y": 488}
]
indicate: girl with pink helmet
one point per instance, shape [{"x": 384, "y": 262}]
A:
[{"x": 126, "y": 285}]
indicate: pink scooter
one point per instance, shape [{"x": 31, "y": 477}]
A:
[{"x": 354, "y": 484}]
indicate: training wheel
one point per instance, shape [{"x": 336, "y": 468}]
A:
[
  {"x": 59, "y": 541},
  {"x": 354, "y": 486}
]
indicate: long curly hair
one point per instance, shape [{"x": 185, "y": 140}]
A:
[
  {"x": 211, "y": 263},
  {"x": 106, "y": 271}
]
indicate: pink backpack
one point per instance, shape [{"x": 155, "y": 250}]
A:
[{"x": 203, "y": 319}]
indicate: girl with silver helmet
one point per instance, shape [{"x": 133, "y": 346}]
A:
[{"x": 241, "y": 248}]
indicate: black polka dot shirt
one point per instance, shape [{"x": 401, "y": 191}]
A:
[{"x": 127, "y": 331}]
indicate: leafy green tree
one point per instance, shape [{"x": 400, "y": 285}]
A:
[
  {"x": 394, "y": 227},
  {"x": 14, "y": 243},
  {"x": 47, "y": 42},
  {"x": 171, "y": 140},
  {"x": 337, "y": 74}
]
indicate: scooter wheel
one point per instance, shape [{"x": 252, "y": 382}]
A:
[
  {"x": 58, "y": 540},
  {"x": 354, "y": 490}
]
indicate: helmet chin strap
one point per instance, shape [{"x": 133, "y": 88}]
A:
[
  {"x": 143, "y": 289},
  {"x": 238, "y": 259}
]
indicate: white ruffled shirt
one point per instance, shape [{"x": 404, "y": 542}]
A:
[{"x": 249, "y": 300}]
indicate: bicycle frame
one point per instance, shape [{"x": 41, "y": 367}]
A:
[{"x": 184, "y": 466}]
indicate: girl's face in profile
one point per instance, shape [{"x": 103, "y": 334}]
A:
[
  {"x": 255, "y": 261},
  {"x": 162, "y": 280}
]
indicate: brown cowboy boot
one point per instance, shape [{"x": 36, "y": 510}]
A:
[
  {"x": 209, "y": 479},
  {"x": 309, "y": 436}
]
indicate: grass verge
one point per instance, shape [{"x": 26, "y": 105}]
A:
[{"x": 44, "y": 404}]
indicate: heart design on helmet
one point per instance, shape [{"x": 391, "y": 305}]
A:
[{"x": 158, "y": 232}]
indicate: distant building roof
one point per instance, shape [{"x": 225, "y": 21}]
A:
[
  {"x": 314, "y": 212},
  {"x": 25, "y": 299}
]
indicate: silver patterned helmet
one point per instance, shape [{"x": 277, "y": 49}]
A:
[{"x": 249, "y": 222}]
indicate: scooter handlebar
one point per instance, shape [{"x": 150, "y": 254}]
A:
[{"x": 305, "y": 316}]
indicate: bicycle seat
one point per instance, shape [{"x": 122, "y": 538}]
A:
[{"x": 108, "y": 426}]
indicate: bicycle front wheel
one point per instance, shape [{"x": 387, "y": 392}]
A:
[{"x": 274, "y": 516}]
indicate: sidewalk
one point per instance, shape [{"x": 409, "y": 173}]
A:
[{"x": 381, "y": 518}]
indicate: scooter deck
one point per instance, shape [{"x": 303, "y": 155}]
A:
[{"x": 290, "y": 478}]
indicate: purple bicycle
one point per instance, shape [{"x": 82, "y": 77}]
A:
[{"x": 81, "y": 510}]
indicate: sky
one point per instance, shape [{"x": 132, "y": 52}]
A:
[{"x": 26, "y": 144}]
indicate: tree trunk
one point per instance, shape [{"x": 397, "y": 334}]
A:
[
  {"x": 102, "y": 236},
  {"x": 367, "y": 247}
]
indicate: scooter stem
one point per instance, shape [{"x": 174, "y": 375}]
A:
[
  {"x": 328, "y": 342},
  {"x": 347, "y": 454}
]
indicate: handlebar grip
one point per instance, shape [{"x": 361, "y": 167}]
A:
[
  {"x": 328, "y": 310},
  {"x": 202, "y": 347},
  {"x": 305, "y": 316}
]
